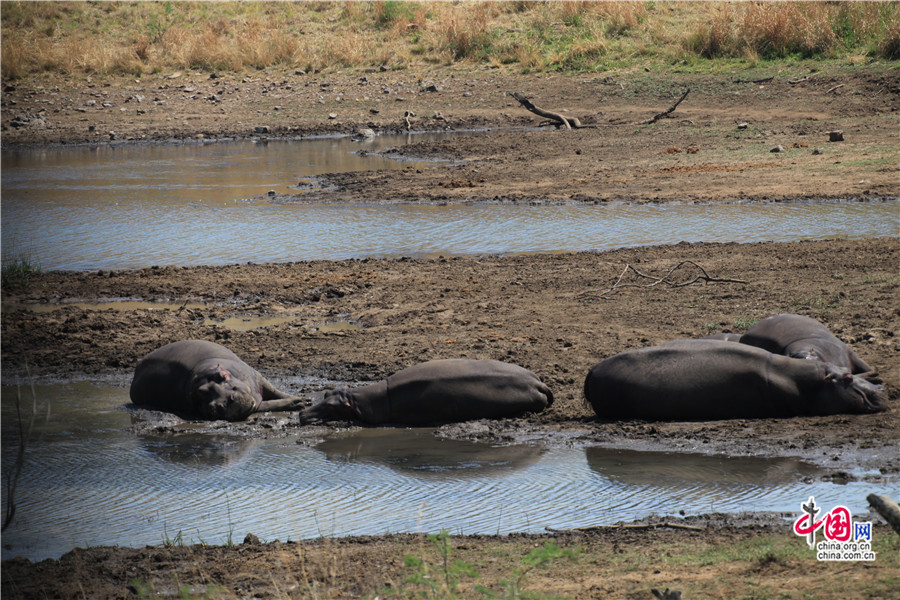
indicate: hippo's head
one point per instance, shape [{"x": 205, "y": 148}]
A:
[
  {"x": 337, "y": 405},
  {"x": 847, "y": 393},
  {"x": 216, "y": 394}
]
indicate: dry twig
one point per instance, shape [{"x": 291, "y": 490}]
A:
[
  {"x": 666, "y": 279},
  {"x": 12, "y": 478},
  {"x": 666, "y": 113},
  {"x": 590, "y": 528}
]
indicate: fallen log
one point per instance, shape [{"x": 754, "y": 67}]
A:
[
  {"x": 568, "y": 122},
  {"x": 887, "y": 508}
]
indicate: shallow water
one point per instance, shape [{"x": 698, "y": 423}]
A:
[
  {"x": 137, "y": 206},
  {"x": 87, "y": 481}
]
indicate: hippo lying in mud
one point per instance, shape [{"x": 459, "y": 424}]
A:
[
  {"x": 803, "y": 337},
  {"x": 438, "y": 391},
  {"x": 686, "y": 380},
  {"x": 196, "y": 378}
]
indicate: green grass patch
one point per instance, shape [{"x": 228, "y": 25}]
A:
[{"x": 17, "y": 273}]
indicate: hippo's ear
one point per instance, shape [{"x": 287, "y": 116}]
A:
[
  {"x": 223, "y": 373},
  {"x": 838, "y": 375}
]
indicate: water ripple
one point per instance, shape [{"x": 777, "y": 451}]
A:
[{"x": 99, "y": 484}]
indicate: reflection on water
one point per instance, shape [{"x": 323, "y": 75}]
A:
[
  {"x": 136, "y": 206},
  {"x": 87, "y": 480},
  {"x": 656, "y": 468},
  {"x": 417, "y": 452}
]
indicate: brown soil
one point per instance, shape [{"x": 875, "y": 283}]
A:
[{"x": 534, "y": 310}]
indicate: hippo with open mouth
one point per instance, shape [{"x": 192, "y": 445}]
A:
[{"x": 201, "y": 379}]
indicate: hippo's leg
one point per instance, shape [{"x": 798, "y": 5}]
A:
[
  {"x": 288, "y": 403},
  {"x": 274, "y": 399}
]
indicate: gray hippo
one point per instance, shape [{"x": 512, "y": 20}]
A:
[
  {"x": 196, "y": 378},
  {"x": 686, "y": 380},
  {"x": 723, "y": 337},
  {"x": 803, "y": 337},
  {"x": 438, "y": 391}
]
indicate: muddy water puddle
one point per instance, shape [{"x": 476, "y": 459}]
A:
[
  {"x": 136, "y": 206},
  {"x": 88, "y": 480}
]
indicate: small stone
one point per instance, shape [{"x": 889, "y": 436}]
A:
[
  {"x": 743, "y": 125},
  {"x": 261, "y": 129},
  {"x": 835, "y": 136},
  {"x": 251, "y": 540},
  {"x": 332, "y": 115},
  {"x": 778, "y": 148}
]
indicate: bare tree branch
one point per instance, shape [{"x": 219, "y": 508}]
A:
[
  {"x": 24, "y": 434},
  {"x": 654, "y": 281},
  {"x": 569, "y": 123},
  {"x": 666, "y": 113}
]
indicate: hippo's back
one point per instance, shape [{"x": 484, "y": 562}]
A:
[{"x": 683, "y": 380}]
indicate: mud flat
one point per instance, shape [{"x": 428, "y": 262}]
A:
[{"x": 540, "y": 311}]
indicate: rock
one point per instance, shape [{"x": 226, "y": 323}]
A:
[
  {"x": 251, "y": 540},
  {"x": 778, "y": 148},
  {"x": 835, "y": 136},
  {"x": 261, "y": 129},
  {"x": 743, "y": 125},
  {"x": 363, "y": 134}
]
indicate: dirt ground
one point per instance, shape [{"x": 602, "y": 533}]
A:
[{"x": 543, "y": 311}]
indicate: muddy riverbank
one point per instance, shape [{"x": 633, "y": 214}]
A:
[{"x": 540, "y": 311}]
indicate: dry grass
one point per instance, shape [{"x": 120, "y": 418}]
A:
[
  {"x": 139, "y": 37},
  {"x": 781, "y": 29}
]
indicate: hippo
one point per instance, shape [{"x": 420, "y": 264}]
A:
[
  {"x": 686, "y": 380},
  {"x": 803, "y": 337},
  {"x": 723, "y": 337},
  {"x": 438, "y": 391},
  {"x": 196, "y": 378}
]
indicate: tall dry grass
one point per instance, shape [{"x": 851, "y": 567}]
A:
[
  {"x": 781, "y": 29},
  {"x": 141, "y": 37}
]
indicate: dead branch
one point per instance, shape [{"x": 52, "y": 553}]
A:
[
  {"x": 568, "y": 122},
  {"x": 763, "y": 80},
  {"x": 654, "y": 281},
  {"x": 590, "y": 528},
  {"x": 24, "y": 435},
  {"x": 574, "y": 123},
  {"x": 835, "y": 88},
  {"x": 887, "y": 508},
  {"x": 666, "y": 113}
]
